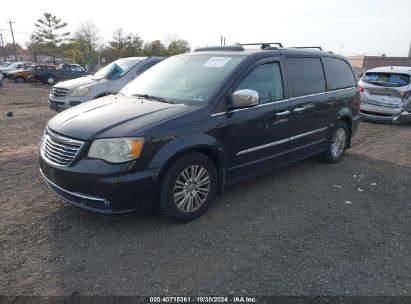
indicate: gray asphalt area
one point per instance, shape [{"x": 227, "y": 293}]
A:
[{"x": 307, "y": 229}]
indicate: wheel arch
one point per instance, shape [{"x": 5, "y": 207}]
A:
[
  {"x": 346, "y": 116},
  {"x": 201, "y": 143}
]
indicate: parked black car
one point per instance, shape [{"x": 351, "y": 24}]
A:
[
  {"x": 50, "y": 75},
  {"x": 197, "y": 122}
]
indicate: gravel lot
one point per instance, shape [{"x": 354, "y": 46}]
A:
[{"x": 308, "y": 229}]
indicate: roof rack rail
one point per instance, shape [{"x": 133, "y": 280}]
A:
[
  {"x": 264, "y": 45},
  {"x": 220, "y": 48},
  {"x": 306, "y": 47}
]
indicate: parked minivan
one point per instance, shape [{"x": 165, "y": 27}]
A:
[
  {"x": 109, "y": 80},
  {"x": 197, "y": 122},
  {"x": 386, "y": 94}
]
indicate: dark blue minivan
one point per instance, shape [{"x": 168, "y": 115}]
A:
[{"x": 194, "y": 123}]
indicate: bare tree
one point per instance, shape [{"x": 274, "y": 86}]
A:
[{"x": 87, "y": 37}]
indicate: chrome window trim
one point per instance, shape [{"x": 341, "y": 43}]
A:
[
  {"x": 283, "y": 100},
  {"x": 275, "y": 143}
]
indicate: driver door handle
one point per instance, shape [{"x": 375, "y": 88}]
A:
[
  {"x": 282, "y": 113},
  {"x": 301, "y": 108}
]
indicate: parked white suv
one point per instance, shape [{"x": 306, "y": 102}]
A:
[{"x": 109, "y": 80}]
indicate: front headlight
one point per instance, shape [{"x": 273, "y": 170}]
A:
[
  {"x": 116, "y": 150},
  {"x": 81, "y": 91}
]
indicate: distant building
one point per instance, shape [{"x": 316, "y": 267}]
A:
[{"x": 363, "y": 63}]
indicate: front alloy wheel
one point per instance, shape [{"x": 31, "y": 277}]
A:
[
  {"x": 188, "y": 185},
  {"x": 191, "y": 188}
]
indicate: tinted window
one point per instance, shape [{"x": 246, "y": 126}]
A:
[
  {"x": 145, "y": 67},
  {"x": 338, "y": 73},
  {"x": 266, "y": 80},
  {"x": 386, "y": 79},
  {"x": 305, "y": 76},
  {"x": 76, "y": 69}
]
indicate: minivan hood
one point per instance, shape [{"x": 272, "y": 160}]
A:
[
  {"x": 78, "y": 82},
  {"x": 112, "y": 116}
]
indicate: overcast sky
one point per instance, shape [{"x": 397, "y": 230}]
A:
[{"x": 347, "y": 26}]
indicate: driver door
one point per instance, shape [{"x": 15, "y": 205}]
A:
[{"x": 257, "y": 137}]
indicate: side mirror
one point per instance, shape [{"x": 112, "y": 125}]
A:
[{"x": 245, "y": 98}]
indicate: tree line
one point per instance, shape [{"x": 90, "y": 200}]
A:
[{"x": 85, "y": 45}]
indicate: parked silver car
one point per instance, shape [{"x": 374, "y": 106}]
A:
[{"x": 386, "y": 94}]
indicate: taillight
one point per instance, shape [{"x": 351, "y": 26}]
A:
[
  {"x": 361, "y": 89},
  {"x": 405, "y": 93}
]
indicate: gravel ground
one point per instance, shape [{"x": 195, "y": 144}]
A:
[{"x": 308, "y": 229}]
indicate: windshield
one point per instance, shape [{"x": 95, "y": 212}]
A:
[
  {"x": 118, "y": 68},
  {"x": 14, "y": 65},
  {"x": 387, "y": 79},
  {"x": 184, "y": 78}
]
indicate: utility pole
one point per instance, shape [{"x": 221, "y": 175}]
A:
[
  {"x": 14, "y": 43},
  {"x": 2, "y": 46}
]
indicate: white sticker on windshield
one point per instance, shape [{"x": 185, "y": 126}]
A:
[{"x": 216, "y": 62}]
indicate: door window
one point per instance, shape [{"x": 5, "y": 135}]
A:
[
  {"x": 76, "y": 69},
  {"x": 266, "y": 80},
  {"x": 305, "y": 76}
]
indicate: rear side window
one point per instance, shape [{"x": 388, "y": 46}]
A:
[
  {"x": 339, "y": 74},
  {"x": 386, "y": 79},
  {"x": 266, "y": 80},
  {"x": 305, "y": 76}
]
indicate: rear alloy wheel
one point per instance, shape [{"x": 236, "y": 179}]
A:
[
  {"x": 188, "y": 186},
  {"x": 337, "y": 143}
]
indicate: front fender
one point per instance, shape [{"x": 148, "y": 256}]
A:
[
  {"x": 199, "y": 142},
  {"x": 186, "y": 143}
]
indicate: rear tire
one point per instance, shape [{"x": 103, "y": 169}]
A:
[
  {"x": 337, "y": 143},
  {"x": 188, "y": 186}
]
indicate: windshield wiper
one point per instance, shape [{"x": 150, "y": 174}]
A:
[{"x": 152, "y": 97}]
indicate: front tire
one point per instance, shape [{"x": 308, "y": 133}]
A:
[
  {"x": 337, "y": 143},
  {"x": 50, "y": 80},
  {"x": 19, "y": 80},
  {"x": 188, "y": 186}
]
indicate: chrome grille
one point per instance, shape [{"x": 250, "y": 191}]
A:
[
  {"x": 59, "y": 92},
  {"x": 59, "y": 150}
]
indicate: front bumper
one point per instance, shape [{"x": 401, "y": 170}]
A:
[
  {"x": 114, "y": 192},
  {"x": 66, "y": 103},
  {"x": 57, "y": 106}
]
